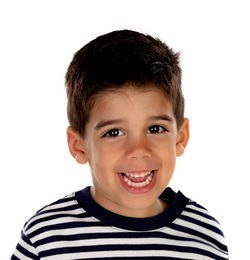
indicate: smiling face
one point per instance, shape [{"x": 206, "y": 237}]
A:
[{"x": 131, "y": 144}]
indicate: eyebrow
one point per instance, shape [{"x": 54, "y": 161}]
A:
[
  {"x": 162, "y": 117},
  {"x": 104, "y": 123}
]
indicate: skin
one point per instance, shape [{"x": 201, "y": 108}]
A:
[{"x": 132, "y": 147}]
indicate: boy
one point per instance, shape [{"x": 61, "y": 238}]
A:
[{"x": 126, "y": 114}]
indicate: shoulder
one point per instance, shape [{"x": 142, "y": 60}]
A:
[
  {"x": 195, "y": 208},
  {"x": 200, "y": 214},
  {"x": 198, "y": 222},
  {"x": 66, "y": 203},
  {"x": 54, "y": 216}
]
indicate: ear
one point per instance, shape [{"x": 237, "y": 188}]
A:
[
  {"x": 75, "y": 143},
  {"x": 182, "y": 137}
]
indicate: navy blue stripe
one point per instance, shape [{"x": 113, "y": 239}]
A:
[
  {"x": 115, "y": 235},
  {"x": 119, "y": 236},
  {"x": 26, "y": 252},
  {"x": 136, "y": 257},
  {"x": 13, "y": 257},
  {"x": 106, "y": 248},
  {"x": 201, "y": 214},
  {"x": 63, "y": 226},
  {"x": 71, "y": 207},
  {"x": 26, "y": 239},
  {"x": 49, "y": 211},
  {"x": 40, "y": 212},
  {"x": 201, "y": 235},
  {"x": 56, "y": 202},
  {"x": 202, "y": 224},
  {"x": 196, "y": 205},
  {"x": 63, "y": 200},
  {"x": 112, "y": 235},
  {"x": 40, "y": 220}
]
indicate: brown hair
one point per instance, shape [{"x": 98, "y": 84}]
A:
[{"x": 116, "y": 58}]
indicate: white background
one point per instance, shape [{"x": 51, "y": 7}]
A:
[{"x": 38, "y": 39}]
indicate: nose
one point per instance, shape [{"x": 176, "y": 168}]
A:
[{"x": 138, "y": 148}]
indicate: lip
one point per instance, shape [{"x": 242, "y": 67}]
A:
[{"x": 138, "y": 190}]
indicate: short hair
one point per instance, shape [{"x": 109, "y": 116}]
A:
[{"x": 114, "y": 59}]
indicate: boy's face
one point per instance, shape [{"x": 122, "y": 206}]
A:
[{"x": 131, "y": 144}]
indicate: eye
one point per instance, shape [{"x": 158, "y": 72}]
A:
[
  {"x": 113, "y": 133},
  {"x": 156, "y": 129}
]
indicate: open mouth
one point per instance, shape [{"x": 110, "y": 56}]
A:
[{"x": 138, "y": 181}]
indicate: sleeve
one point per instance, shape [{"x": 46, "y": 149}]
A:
[{"x": 25, "y": 250}]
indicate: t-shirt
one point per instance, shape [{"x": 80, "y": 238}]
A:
[{"x": 76, "y": 227}]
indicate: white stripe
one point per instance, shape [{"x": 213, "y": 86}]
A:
[
  {"x": 60, "y": 205},
  {"x": 199, "y": 229},
  {"x": 202, "y": 219},
  {"x": 61, "y": 220},
  {"x": 128, "y": 241},
  {"x": 72, "y": 212},
  {"x": 205, "y": 211},
  {"x": 70, "y": 195},
  {"x": 28, "y": 247},
  {"x": 73, "y": 231},
  {"x": 146, "y": 253},
  {"x": 180, "y": 234},
  {"x": 21, "y": 256}
]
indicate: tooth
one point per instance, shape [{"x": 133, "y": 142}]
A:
[
  {"x": 137, "y": 175},
  {"x": 149, "y": 175}
]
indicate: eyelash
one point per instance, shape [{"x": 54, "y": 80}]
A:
[
  {"x": 163, "y": 128},
  {"x": 107, "y": 134}
]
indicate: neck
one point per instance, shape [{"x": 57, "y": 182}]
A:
[{"x": 156, "y": 208}]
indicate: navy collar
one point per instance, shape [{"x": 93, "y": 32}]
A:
[{"x": 177, "y": 203}]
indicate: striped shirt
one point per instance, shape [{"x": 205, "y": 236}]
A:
[{"x": 76, "y": 227}]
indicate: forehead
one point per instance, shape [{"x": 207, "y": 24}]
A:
[{"x": 128, "y": 100}]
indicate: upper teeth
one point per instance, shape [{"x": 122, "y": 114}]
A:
[{"x": 137, "y": 175}]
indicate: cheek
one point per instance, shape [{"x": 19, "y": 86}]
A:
[
  {"x": 165, "y": 145},
  {"x": 166, "y": 151},
  {"x": 110, "y": 150},
  {"x": 103, "y": 157}
]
